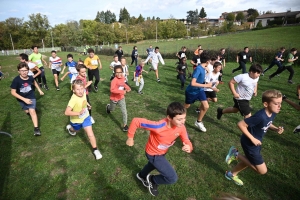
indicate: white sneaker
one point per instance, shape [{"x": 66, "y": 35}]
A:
[
  {"x": 200, "y": 125},
  {"x": 92, "y": 120},
  {"x": 70, "y": 132},
  {"x": 97, "y": 154}
]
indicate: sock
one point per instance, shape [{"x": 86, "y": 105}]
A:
[
  {"x": 35, "y": 128},
  {"x": 198, "y": 121},
  {"x": 94, "y": 149}
]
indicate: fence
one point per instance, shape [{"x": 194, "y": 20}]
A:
[{"x": 27, "y": 51}]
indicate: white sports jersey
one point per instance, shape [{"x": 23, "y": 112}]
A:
[
  {"x": 211, "y": 78},
  {"x": 31, "y": 66},
  {"x": 246, "y": 86},
  {"x": 55, "y": 63},
  {"x": 156, "y": 57}
]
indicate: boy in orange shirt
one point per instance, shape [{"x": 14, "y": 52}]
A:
[{"x": 162, "y": 135}]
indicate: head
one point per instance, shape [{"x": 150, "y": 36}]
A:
[
  {"x": 293, "y": 51},
  {"x": 183, "y": 60},
  {"x": 78, "y": 88},
  {"x": 199, "y": 46},
  {"x": 217, "y": 67},
  {"x": 255, "y": 71},
  {"x": 282, "y": 49},
  {"x": 120, "y": 48},
  {"x": 176, "y": 114},
  {"x": 23, "y": 57},
  {"x": 123, "y": 61},
  {"x": 70, "y": 57},
  {"x": 246, "y": 49},
  {"x": 91, "y": 52},
  {"x": 53, "y": 54},
  {"x": 205, "y": 59},
  {"x": 141, "y": 63},
  {"x": 184, "y": 49},
  {"x": 81, "y": 68},
  {"x": 80, "y": 61},
  {"x": 271, "y": 100},
  {"x": 135, "y": 47},
  {"x": 156, "y": 50},
  {"x": 118, "y": 69},
  {"x": 150, "y": 47},
  {"x": 200, "y": 51},
  {"x": 116, "y": 59},
  {"x": 23, "y": 69},
  {"x": 213, "y": 60},
  {"x": 222, "y": 50},
  {"x": 35, "y": 49}
]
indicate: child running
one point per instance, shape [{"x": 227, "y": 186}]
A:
[
  {"x": 77, "y": 109},
  {"x": 114, "y": 63},
  {"x": 22, "y": 87},
  {"x": 156, "y": 57},
  {"x": 72, "y": 72},
  {"x": 55, "y": 64},
  {"x": 163, "y": 134},
  {"x": 138, "y": 77},
  {"x": 118, "y": 89},
  {"x": 254, "y": 128},
  {"x": 125, "y": 70},
  {"x": 212, "y": 77},
  {"x": 246, "y": 88}
]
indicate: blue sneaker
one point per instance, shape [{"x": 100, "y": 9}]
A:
[
  {"x": 231, "y": 156},
  {"x": 235, "y": 179}
]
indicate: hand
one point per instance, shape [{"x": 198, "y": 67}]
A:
[
  {"x": 296, "y": 58},
  {"x": 236, "y": 95},
  {"x": 41, "y": 93},
  {"x": 208, "y": 84},
  {"x": 128, "y": 90},
  {"x": 130, "y": 142},
  {"x": 186, "y": 148},
  {"x": 255, "y": 94},
  {"x": 280, "y": 130},
  {"x": 62, "y": 79},
  {"x": 89, "y": 107},
  {"x": 82, "y": 111},
  {"x": 256, "y": 142},
  {"x": 28, "y": 101},
  {"x": 217, "y": 90}
]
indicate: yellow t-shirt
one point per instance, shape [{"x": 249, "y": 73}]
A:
[
  {"x": 93, "y": 62},
  {"x": 77, "y": 104}
]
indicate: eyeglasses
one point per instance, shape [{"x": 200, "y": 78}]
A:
[
  {"x": 118, "y": 72},
  {"x": 23, "y": 71}
]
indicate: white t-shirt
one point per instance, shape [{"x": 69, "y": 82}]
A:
[
  {"x": 55, "y": 63},
  {"x": 246, "y": 86},
  {"x": 113, "y": 64},
  {"x": 31, "y": 66},
  {"x": 125, "y": 70},
  {"x": 211, "y": 78}
]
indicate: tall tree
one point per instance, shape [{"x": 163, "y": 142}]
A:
[
  {"x": 252, "y": 14},
  {"x": 230, "y": 17},
  {"x": 140, "y": 19},
  {"x": 202, "y": 13},
  {"x": 192, "y": 16},
  {"x": 240, "y": 16},
  {"x": 110, "y": 17},
  {"x": 124, "y": 15}
]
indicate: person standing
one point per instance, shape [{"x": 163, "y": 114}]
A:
[
  {"x": 242, "y": 59},
  {"x": 92, "y": 62},
  {"x": 120, "y": 53},
  {"x": 134, "y": 55},
  {"x": 221, "y": 59}
]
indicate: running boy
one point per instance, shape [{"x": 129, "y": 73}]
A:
[
  {"x": 22, "y": 87},
  {"x": 276, "y": 60},
  {"x": 138, "y": 77},
  {"x": 55, "y": 64},
  {"x": 125, "y": 70},
  {"x": 246, "y": 88},
  {"x": 92, "y": 62},
  {"x": 181, "y": 69},
  {"x": 212, "y": 77},
  {"x": 163, "y": 134},
  {"x": 77, "y": 109},
  {"x": 118, "y": 89},
  {"x": 156, "y": 57},
  {"x": 72, "y": 72},
  {"x": 114, "y": 63},
  {"x": 254, "y": 128},
  {"x": 242, "y": 59}
]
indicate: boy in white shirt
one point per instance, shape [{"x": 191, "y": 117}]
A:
[
  {"x": 55, "y": 64},
  {"x": 156, "y": 57},
  {"x": 114, "y": 63},
  {"x": 212, "y": 77}
]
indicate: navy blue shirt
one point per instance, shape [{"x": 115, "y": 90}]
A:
[
  {"x": 279, "y": 55},
  {"x": 199, "y": 74},
  {"x": 24, "y": 88}
]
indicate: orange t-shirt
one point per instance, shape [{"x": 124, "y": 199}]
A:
[
  {"x": 161, "y": 137},
  {"x": 117, "y": 88}
]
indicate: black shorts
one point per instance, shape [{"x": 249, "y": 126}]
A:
[
  {"x": 54, "y": 71},
  {"x": 254, "y": 157},
  {"x": 210, "y": 94},
  {"x": 243, "y": 106}
]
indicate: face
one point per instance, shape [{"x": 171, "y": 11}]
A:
[
  {"x": 35, "y": 50},
  {"x": 294, "y": 52},
  {"x": 142, "y": 64},
  {"x": 80, "y": 63},
  {"x": 156, "y": 50},
  {"x": 53, "y": 55},
  {"x": 21, "y": 60},
  {"x": 254, "y": 75},
  {"x": 150, "y": 47},
  {"x": 184, "y": 49},
  {"x": 118, "y": 73},
  {"x": 82, "y": 72},
  {"x": 91, "y": 54},
  {"x": 23, "y": 72},
  {"x": 70, "y": 59},
  {"x": 217, "y": 69},
  {"x": 178, "y": 120},
  {"x": 246, "y": 50},
  {"x": 184, "y": 61},
  {"x": 123, "y": 62},
  {"x": 223, "y": 51},
  {"x": 274, "y": 106},
  {"x": 78, "y": 90},
  {"x": 116, "y": 59}
]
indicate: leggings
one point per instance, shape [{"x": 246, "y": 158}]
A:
[
  {"x": 182, "y": 79},
  {"x": 42, "y": 76},
  {"x": 281, "y": 69},
  {"x": 94, "y": 73},
  {"x": 134, "y": 59},
  {"x": 122, "y": 105}
]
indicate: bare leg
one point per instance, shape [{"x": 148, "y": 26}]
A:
[
  {"x": 244, "y": 163},
  {"x": 90, "y": 134},
  {"x": 33, "y": 117},
  {"x": 55, "y": 80},
  {"x": 230, "y": 110},
  {"x": 203, "y": 109}
]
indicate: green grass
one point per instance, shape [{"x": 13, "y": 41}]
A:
[{"x": 59, "y": 166}]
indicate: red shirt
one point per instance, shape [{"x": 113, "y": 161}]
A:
[
  {"x": 161, "y": 136},
  {"x": 84, "y": 82},
  {"x": 117, "y": 88}
]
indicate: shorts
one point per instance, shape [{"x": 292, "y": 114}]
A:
[
  {"x": 77, "y": 126},
  {"x": 210, "y": 94},
  {"x": 191, "y": 98},
  {"x": 54, "y": 71},
  {"x": 154, "y": 66},
  {"x": 25, "y": 106},
  {"x": 243, "y": 106},
  {"x": 254, "y": 157}
]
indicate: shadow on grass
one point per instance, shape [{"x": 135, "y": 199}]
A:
[{"x": 5, "y": 156}]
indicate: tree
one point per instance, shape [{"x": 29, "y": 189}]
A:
[
  {"x": 259, "y": 24},
  {"x": 202, "y": 13},
  {"x": 140, "y": 19},
  {"x": 124, "y": 15},
  {"x": 230, "y": 17},
  {"x": 252, "y": 14},
  {"x": 240, "y": 16},
  {"x": 110, "y": 17},
  {"x": 193, "y": 16}
]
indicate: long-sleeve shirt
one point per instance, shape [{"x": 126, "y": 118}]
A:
[
  {"x": 156, "y": 57},
  {"x": 117, "y": 89},
  {"x": 161, "y": 136}
]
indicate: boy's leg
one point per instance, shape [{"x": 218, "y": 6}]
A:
[
  {"x": 91, "y": 136},
  {"x": 298, "y": 91},
  {"x": 203, "y": 109},
  {"x": 141, "y": 85},
  {"x": 33, "y": 117},
  {"x": 90, "y": 76},
  {"x": 278, "y": 71},
  {"x": 112, "y": 105},
  {"x": 238, "y": 68},
  {"x": 244, "y": 163},
  {"x": 291, "y": 70},
  {"x": 122, "y": 104},
  {"x": 55, "y": 79},
  {"x": 243, "y": 65},
  {"x": 97, "y": 77},
  {"x": 270, "y": 66}
]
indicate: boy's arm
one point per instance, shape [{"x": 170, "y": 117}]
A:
[
  {"x": 278, "y": 129},
  {"x": 50, "y": 63},
  {"x": 70, "y": 112},
  {"x": 15, "y": 94},
  {"x": 237, "y": 58},
  {"x": 243, "y": 127},
  {"x": 66, "y": 74},
  {"x": 38, "y": 71},
  {"x": 100, "y": 64},
  {"x": 62, "y": 71},
  {"x": 149, "y": 56},
  {"x": 297, "y": 107},
  {"x": 127, "y": 88},
  {"x": 114, "y": 88},
  {"x": 44, "y": 61},
  {"x": 161, "y": 59},
  {"x": 255, "y": 90},
  {"x": 187, "y": 145},
  {"x": 38, "y": 87},
  {"x": 195, "y": 84},
  {"x": 224, "y": 62},
  {"x": 231, "y": 87}
]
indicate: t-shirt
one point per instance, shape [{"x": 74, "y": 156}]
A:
[
  {"x": 149, "y": 50},
  {"x": 287, "y": 63},
  {"x": 246, "y": 86},
  {"x": 199, "y": 75},
  {"x": 221, "y": 57},
  {"x": 181, "y": 55},
  {"x": 134, "y": 53},
  {"x": 278, "y": 55},
  {"x": 138, "y": 71},
  {"x": 120, "y": 54},
  {"x": 125, "y": 70},
  {"x": 258, "y": 125},
  {"x": 156, "y": 57},
  {"x": 243, "y": 56},
  {"x": 211, "y": 77},
  {"x": 113, "y": 64},
  {"x": 161, "y": 136},
  {"x": 182, "y": 68},
  {"x": 55, "y": 63},
  {"x": 77, "y": 104},
  {"x": 196, "y": 59},
  {"x": 36, "y": 57},
  {"x": 31, "y": 66},
  {"x": 24, "y": 88},
  {"x": 92, "y": 62},
  {"x": 117, "y": 89}
]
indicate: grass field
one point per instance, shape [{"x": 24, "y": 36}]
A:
[{"x": 59, "y": 166}]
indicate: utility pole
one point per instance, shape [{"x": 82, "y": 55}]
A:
[
  {"x": 156, "y": 31},
  {"x": 52, "y": 40},
  {"x": 12, "y": 44}
]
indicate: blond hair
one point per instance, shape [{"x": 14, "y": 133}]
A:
[
  {"x": 77, "y": 82},
  {"x": 268, "y": 95}
]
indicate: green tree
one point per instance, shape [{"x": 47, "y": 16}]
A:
[
  {"x": 240, "y": 16},
  {"x": 252, "y": 14},
  {"x": 259, "y": 24},
  {"x": 140, "y": 19},
  {"x": 230, "y": 17},
  {"x": 110, "y": 17},
  {"x": 202, "y": 13},
  {"x": 193, "y": 16},
  {"x": 124, "y": 15}
]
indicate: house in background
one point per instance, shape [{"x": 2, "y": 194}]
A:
[
  {"x": 225, "y": 14},
  {"x": 212, "y": 21},
  {"x": 276, "y": 16}
]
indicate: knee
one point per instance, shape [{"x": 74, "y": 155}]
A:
[
  {"x": 172, "y": 179},
  {"x": 205, "y": 107},
  {"x": 214, "y": 100},
  {"x": 187, "y": 105},
  {"x": 262, "y": 171}
]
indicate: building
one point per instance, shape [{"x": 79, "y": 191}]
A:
[
  {"x": 276, "y": 16},
  {"x": 225, "y": 14},
  {"x": 212, "y": 21}
]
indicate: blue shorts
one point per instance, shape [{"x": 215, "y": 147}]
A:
[
  {"x": 28, "y": 106},
  {"x": 254, "y": 156},
  {"x": 77, "y": 126},
  {"x": 191, "y": 98}
]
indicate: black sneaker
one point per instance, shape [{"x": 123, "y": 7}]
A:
[
  {"x": 37, "y": 132},
  {"x": 107, "y": 108},
  {"x": 297, "y": 129},
  {"x": 158, "y": 80},
  {"x": 197, "y": 110},
  {"x": 219, "y": 113},
  {"x": 95, "y": 88},
  {"x": 57, "y": 88},
  {"x": 145, "y": 183},
  {"x": 140, "y": 93},
  {"x": 125, "y": 128},
  {"x": 46, "y": 87},
  {"x": 152, "y": 186},
  {"x": 290, "y": 82}
]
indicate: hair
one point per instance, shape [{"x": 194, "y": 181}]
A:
[
  {"x": 199, "y": 45},
  {"x": 213, "y": 59},
  {"x": 217, "y": 64},
  {"x": 115, "y": 55},
  {"x": 69, "y": 56},
  {"x": 24, "y": 56},
  {"x": 80, "y": 66},
  {"x": 293, "y": 49},
  {"x": 120, "y": 47},
  {"x": 90, "y": 50},
  {"x": 256, "y": 68},
  {"x": 204, "y": 57},
  {"x": 123, "y": 58},
  {"x": 118, "y": 67},
  {"x": 33, "y": 46},
  {"x": 245, "y": 48},
  {"x": 268, "y": 95},
  {"x": 141, "y": 61},
  {"x": 21, "y": 65},
  {"x": 222, "y": 49},
  {"x": 134, "y": 47},
  {"x": 53, "y": 51},
  {"x": 175, "y": 108},
  {"x": 156, "y": 48},
  {"x": 77, "y": 82},
  {"x": 79, "y": 60},
  {"x": 282, "y": 48}
]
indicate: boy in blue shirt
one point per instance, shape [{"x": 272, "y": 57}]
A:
[
  {"x": 254, "y": 129},
  {"x": 195, "y": 90}
]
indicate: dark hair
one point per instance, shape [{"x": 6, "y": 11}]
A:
[
  {"x": 118, "y": 67},
  {"x": 281, "y": 48},
  {"x": 33, "y": 46},
  {"x": 115, "y": 55},
  {"x": 256, "y": 68},
  {"x": 204, "y": 57},
  {"x": 134, "y": 47},
  {"x": 90, "y": 50},
  {"x": 24, "y": 56},
  {"x": 175, "y": 108},
  {"x": 119, "y": 46},
  {"x": 245, "y": 48},
  {"x": 156, "y": 48},
  {"x": 199, "y": 45},
  {"x": 53, "y": 51},
  {"x": 80, "y": 66},
  {"x": 69, "y": 56},
  {"x": 293, "y": 49},
  {"x": 217, "y": 64},
  {"x": 213, "y": 59},
  {"x": 21, "y": 65}
]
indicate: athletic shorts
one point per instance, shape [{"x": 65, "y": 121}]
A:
[
  {"x": 154, "y": 66},
  {"x": 210, "y": 94},
  {"x": 254, "y": 157},
  {"x": 25, "y": 106},
  {"x": 191, "y": 98},
  {"x": 54, "y": 71},
  {"x": 77, "y": 126},
  {"x": 243, "y": 106}
]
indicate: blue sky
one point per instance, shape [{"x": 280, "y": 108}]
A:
[{"x": 60, "y": 11}]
